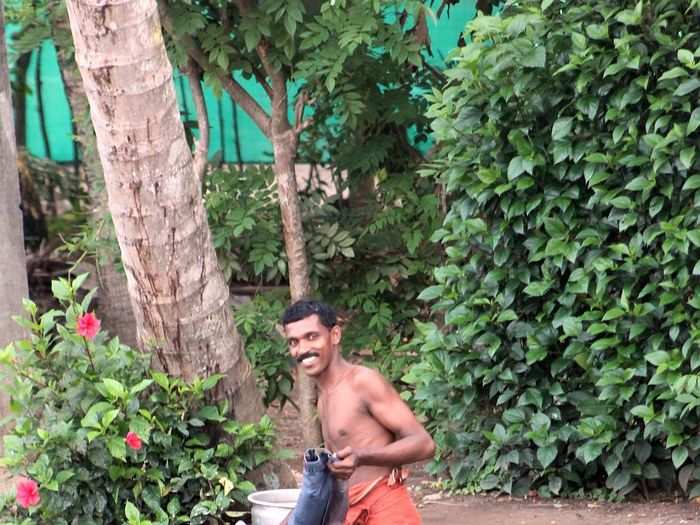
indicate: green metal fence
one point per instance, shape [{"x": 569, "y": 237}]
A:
[{"x": 233, "y": 134}]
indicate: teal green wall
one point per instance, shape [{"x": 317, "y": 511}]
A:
[{"x": 224, "y": 117}]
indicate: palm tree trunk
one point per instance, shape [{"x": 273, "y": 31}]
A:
[
  {"x": 178, "y": 293},
  {"x": 114, "y": 305}
]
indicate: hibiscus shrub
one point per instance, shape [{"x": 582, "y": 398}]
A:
[{"x": 96, "y": 431}]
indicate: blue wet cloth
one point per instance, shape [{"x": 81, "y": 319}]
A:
[{"x": 323, "y": 499}]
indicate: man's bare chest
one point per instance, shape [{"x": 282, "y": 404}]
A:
[{"x": 342, "y": 416}]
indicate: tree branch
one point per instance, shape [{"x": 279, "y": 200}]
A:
[
  {"x": 225, "y": 19},
  {"x": 302, "y": 99},
  {"x": 243, "y": 8},
  {"x": 435, "y": 72},
  {"x": 279, "y": 120},
  {"x": 239, "y": 95},
  {"x": 299, "y": 123},
  {"x": 303, "y": 126},
  {"x": 261, "y": 80},
  {"x": 201, "y": 150}
]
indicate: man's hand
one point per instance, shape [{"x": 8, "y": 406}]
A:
[{"x": 345, "y": 464}]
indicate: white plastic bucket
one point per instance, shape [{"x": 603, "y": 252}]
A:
[{"x": 270, "y": 507}]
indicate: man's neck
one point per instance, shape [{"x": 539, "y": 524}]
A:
[{"x": 334, "y": 374}]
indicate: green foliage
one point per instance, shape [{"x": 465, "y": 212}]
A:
[
  {"x": 373, "y": 268},
  {"x": 229, "y": 37},
  {"x": 353, "y": 37},
  {"x": 364, "y": 68},
  {"x": 292, "y": 29},
  {"x": 246, "y": 224},
  {"x": 39, "y": 20},
  {"x": 392, "y": 264},
  {"x": 266, "y": 349},
  {"x": 244, "y": 218},
  {"x": 73, "y": 402},
  {"x": 568, "y": 359}
]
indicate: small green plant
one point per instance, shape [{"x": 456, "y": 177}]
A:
[
  {"x": 266, "y": 349},
  {"x": 246, "y": 224},
  {"x": 106, "y": 440},
  {"x": 244, "y": 218},
  {"x": 392, "y": 264}
]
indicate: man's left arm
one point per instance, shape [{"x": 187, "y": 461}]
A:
[{"x": 413, "y": 443}]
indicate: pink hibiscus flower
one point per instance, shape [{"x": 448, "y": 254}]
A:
[
  {"x": 27, "y": 493},
  {"x": 133, "y": 440},
  {"x": 88, "y": 325}
]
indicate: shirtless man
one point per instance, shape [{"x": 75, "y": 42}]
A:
[{"x": 364, "y": 421}]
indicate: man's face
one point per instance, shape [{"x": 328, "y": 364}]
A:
[{"x": 311, "y": 343}]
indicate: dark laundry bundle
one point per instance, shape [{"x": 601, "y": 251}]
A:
[{"x": 323, "y": 499}]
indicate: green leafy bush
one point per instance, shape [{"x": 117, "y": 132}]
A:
[
  {"x": 568, "y": 357},
  {"x": 99, "y": 431}
]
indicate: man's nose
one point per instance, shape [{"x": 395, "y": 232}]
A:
[
  {"x": 305, "y": 347},
  {"x": 298, "y": 350}
]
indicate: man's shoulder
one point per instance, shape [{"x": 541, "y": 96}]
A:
[
  {"x": 364, "y": 378},
  {"x": 364, "y": 373}
]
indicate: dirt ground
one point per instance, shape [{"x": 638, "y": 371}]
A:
[
  {"x": 488, "y": 510},
  {"x": 437, "y": 508}
]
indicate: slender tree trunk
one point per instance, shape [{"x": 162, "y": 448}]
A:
[
  {"x": 295, "y": 246},
  {"x": 20, "y": 101},
  {"x": 178, "y": 293},
  {"x": 114, "y": 305},
  {"x": 13, "y": 278},
  {"x": 284, "y": 143},
  {"x": 363, "y": 192}
]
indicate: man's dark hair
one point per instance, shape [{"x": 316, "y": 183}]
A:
[{"x": 308, "y": 307}]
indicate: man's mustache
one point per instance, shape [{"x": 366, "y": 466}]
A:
[{"x": 305, "y": 355}]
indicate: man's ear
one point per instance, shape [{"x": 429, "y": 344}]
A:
[{"x": 336, "y": 335}]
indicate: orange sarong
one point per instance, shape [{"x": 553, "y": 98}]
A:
[{"x": 384, "y": 501}]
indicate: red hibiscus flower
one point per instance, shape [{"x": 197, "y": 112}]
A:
[
  {"x": 88, "y": 325},
  {"x": 27, "y": 493},
  {"x": 133, "y": 440}
]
